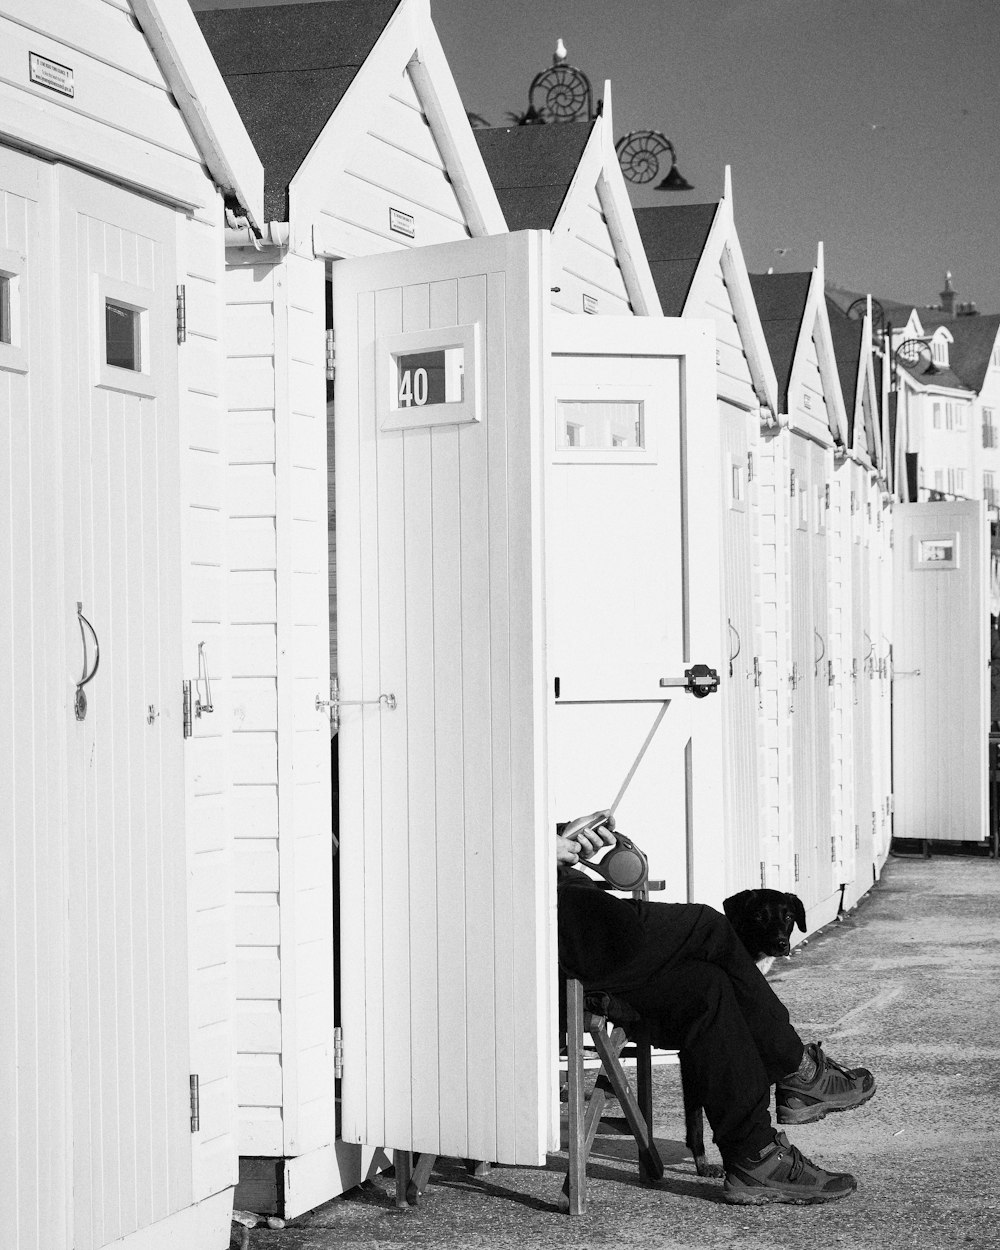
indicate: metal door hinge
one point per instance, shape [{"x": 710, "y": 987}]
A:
[
  {"x": 791, "y": 483},
  {"x": 182, "y": 332},
  {"x": 833, "y": 850},
  {"x": 338, "y": 1053},
  {"x": 188, "y": 719},
  {"x": 796, "y": 867},
  {"x": 763, "y": 875},
  {"x": 826, "y": 495},
  {"x": 195, "y": 1103},
  {"x": 749, "y": 466},
  {"x": 331, "y": 357}
]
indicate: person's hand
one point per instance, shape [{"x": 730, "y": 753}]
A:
[
  {"x": 567, "y": 851},
  {"x": 586, "y": 835}
]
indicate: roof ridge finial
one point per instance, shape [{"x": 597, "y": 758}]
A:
[{"x": 560, "y": 54}]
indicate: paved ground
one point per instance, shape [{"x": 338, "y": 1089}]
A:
[{"x": 908, "y": 986}]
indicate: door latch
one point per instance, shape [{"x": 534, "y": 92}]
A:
[
  {"x": 699, "y": 680},
  {"x": 333, "y": 705}
]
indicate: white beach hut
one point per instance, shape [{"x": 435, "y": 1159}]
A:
[
  {"x": 119, "y": 147},
  {"x": 698, "y": 267},
  {"x": 475, "y": 703},
  {"x": 799, "y": 469}
]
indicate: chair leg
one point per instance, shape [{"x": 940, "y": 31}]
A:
[
  {"x": 649, "y": 1158},
  {"x": 574, "y": 1195},
  {"x": 421, "y": 1175},
  {"x": 644, "y": 1087},
  {"x": 402, "y": 1162}
]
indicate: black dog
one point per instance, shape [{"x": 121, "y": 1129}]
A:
[{"x": 763, "y": 920}]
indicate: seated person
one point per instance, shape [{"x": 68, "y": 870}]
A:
[{"x": 682, "y": 968}]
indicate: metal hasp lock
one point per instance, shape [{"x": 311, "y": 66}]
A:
[
  {"x": 699, "y": 680},
  {"x": 335, "y": 703}
]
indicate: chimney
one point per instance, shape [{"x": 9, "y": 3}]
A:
[{"x": 948, "y": 296}]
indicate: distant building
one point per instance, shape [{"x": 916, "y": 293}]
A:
[{"x": 946, "y": 369}]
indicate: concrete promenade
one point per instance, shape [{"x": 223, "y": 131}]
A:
[{"x": 909, "y": 985}]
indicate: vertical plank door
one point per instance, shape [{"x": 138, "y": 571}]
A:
[
  {"x": 34, "y": 1138},
  {"x": 446, "y": 874},
  {"x": 940, "y": 670},
  {"x": 633, "y": 564},
  {"x": 127, "y": 845}
]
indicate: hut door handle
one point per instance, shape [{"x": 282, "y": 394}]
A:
[{"x": 80, "y": 701}]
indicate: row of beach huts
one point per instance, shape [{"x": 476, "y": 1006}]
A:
[{"x": 374, "y": 487}]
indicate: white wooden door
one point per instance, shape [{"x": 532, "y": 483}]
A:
[
  {"x": 802, "y": 701},
  {"x": 447, "y": 896},
  {"x": 821, "y": 850},
  {"x": 34, "y": 1134},
  {"x": 741, "y": 691},
  {"x": 127, "y": 846},
  {"x": 940, "y": 670},
  {"x": 633, "y": 576}
]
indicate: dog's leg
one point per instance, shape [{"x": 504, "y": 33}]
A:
[{"x": 694, "y": 1131}]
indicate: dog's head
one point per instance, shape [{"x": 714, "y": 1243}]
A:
[{"x": 764, "y": 919}]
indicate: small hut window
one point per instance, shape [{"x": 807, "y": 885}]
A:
[
  {"x": 122, "y": 336},
  {"x": 601, "y": 425},
  {"x": 5, "y": 326}
]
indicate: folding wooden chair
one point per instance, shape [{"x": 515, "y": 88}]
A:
[{"x": 592, "y": 1014}]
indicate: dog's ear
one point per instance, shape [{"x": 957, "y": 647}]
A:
[
  {"x": 737, "y": 905},
  {"x": 798, "y": 910}
]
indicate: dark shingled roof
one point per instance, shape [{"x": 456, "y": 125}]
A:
[
  {"x": 846, "y": 334},
  {"x": 531, "y": 168},
  {"x": 781, "y": 303},
  {"x": 287, "y": 68},
  {"x": 970, "y": 353},
  {"x": 673, "y": 238}
]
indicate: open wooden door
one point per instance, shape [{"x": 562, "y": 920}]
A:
[
  {"x": 940, "y": 671},
  {"x": 633, "y": 562},
  {"x": 447, "y": 897}
]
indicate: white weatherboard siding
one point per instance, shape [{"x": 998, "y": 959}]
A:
[
  {"x": 742, "y": 685},
  {"x": 840, "y": 647},
  {"x": 121, "y": 118},
  {"x": 584, "y": 262},
  {"x": 776, "y": 659},
  {"x": 394, "y": 164},
  {"x": 279, "y": 666},
  {"x": 210, "y": 860}
]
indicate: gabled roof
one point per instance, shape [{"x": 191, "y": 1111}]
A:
[
  {"x": 532, "y": 167},
  {"x": 546, "y": 177},
  {"x": 674, "y": 237},
  {"x": 287, "y": 68},
  {"x": 781, "y": 302},
  {"x": 974, "y": 340},
  {"x": 846, "y": 333}
]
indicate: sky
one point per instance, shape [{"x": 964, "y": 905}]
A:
[{"x": 872, "y": 125}]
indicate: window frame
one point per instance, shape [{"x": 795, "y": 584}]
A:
[
  {"x": 139, "y": 299},
  {"x": 14, "y": 354}
]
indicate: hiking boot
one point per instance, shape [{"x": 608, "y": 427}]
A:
[
  {"x": 833, "y": 1088},
  {"x": 782, "y": 1173}
]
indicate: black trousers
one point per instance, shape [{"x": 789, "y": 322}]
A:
[{"x": 705, "y": 997}]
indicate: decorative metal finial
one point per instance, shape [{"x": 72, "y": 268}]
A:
[
  {"x": 639, "y": 154},
  {"x": 561, "y": 93}
]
